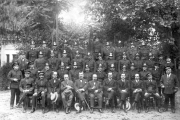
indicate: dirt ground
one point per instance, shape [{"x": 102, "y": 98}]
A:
[{"x": 16, "y": 114}]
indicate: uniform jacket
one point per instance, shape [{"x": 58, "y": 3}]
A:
[
  {"x": 14, "y": 74},
  {"x": 32, "y": 55},
  {"x": 27, "y": 84},
  {"x": 54, "y": 63},
  {"x": 150, "y": 86},
  {"x": 41, "y": 85},
  {"x": 40, "y": 63}
]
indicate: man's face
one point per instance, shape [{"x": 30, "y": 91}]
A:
[
  {"x": 23, "y": 56},
  {"x": 16, "y": 67},
  {"x": 81, "y": 75},
  {"x": 40, "y": 56},
  {"x": 44, "y": 45},
  {"x": 112, "y": 69},
  {"x": 144, "y": 68},
  {"x": 66, "y": 77},
  {"x": 47, "y": 67},
  {"x": 87, "y": 69},
  {"x": 100, "y": 58},
  {"x": 54, "y": 75},
  {"x": 132, "y": 67},
  {"x": 94, "y": 77},
  {"x": 137, "y": 57},
  {"x": 75, "y": 67},
  {"x": 110, "y": 75},
  {"x": 32, "y": 46},
  {"x": 27, "y": 75},
  {"x": 41, "y": 76},
  {"x": 150, "y": 77},
  {"x": 52, "y": 54},
  {"x": 123, "y": 76},
  {"x": 110, "y": 57},
  {"x": 136, "y": 76},
  {"x": 168, "y": 71},
  {"x": 124, "y": 56},
  {"x": 31, "y": 66},
  {"x": 64, "y": 54}
]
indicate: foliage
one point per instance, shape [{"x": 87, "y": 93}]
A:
[
  {"x": 135, "y": 19},
  {"x": 4, "y": 70},
  {"x": 23, "y": 20}
]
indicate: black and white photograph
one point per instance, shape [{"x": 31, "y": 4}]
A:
[{"x": 89, "y": 59}]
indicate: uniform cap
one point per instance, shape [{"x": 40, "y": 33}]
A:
[
  {"x": 150, "y": 54},
  {"x": 75, "y": 43},
  {"x": 65, "y": 41},
  {"x": 46, "y": 64},
  {"x": 124, "y": 66},
  {"x": 119, "y": 42},
  {"x": 62, "y": 63},
  {"x": 137, "y": 54},
  {"x": 15, "y": 63},
  {"x": 52, "y": 52},
  {"x": 75, "y": 63},
  {"x": 89, "y": 53},
  {"x": 132, "y": 64},
  {"x": 99, "y": 54}
]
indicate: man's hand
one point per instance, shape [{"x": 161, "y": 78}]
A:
[
  {"x": 93, "y": 87},
  {"x": 135, "y": 91},
  {"x": 157, "y": 94},
  {"x": 15, "y": 79},
  {"x": 68, "y": 87},
  {"x": 81, "y": 90},
  {"x": 123, "y": 91}
]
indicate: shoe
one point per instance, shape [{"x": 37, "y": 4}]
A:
[
  {"x": 57, "y": 110},
  {"x": 147, "y": 110},
  {"x": 113, "y": 110},
  {"x": 69, "y": 110},
  {"x": 100, "y": 110},
  {"x": 66, "y": 111},
  {"x": 165, "y": 109},
  {"x": 173, "y": 110},
  {"x": 159, "y": 110},
  {"x": 92, "y": 110},
  {"x": 107, "y": 102},
  {"x": 43, "y": 110},
  {"x": 33, "y": 110},
  {"x": 17, "y": 106},
  {"x": 139, "y": 110},
  {"x": 47, "y": 110},
  {"x": 11, "y": 107},
  {"x": 24, "y": 110},
  {"x": 125, "y": 110}
]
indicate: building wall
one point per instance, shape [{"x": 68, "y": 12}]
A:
[{"x": 9, "y": 49}]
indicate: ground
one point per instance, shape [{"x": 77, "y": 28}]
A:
[{"x": 16, "y": 114}]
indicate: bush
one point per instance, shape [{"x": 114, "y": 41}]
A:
[{"x": 4, "y": 70}]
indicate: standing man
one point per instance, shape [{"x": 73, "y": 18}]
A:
[
  {"x": 67, "y": 93},
  {"x": 33, "y": 71},
  {"x": 102, "y": 62},
  {"x": 95, "y": 90},
  {"x": 45, "y": 50},
  {"x": 107, "y": 50},
  {"x": 53, "y": 61},
  {"x": 32, "y": 54},
  {"x": 14, "y": 75},
  {"x": 109, "y": 91},
  {"x": 23, "y": 62},
  {"x": 90, "y": 62},
  {"x": 40, "y": 62},
  {"x": 74, "y": 72},
  {"x": 122, "y": 62},
  {"x": 27, "y": 88},
  {"x": 169, "y": 82},
  {"x": 80, "y": 87},
  {"x": 41, "y": 86}
]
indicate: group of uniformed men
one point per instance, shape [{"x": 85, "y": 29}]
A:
[{"x": 105, "y": 74}]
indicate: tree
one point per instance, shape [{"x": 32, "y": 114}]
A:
[{"x": 142, "y": 20}]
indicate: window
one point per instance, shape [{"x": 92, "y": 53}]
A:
[{"x": 7, "y": 55}]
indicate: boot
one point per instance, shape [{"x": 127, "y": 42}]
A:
[{"x": 33, "y": 110}]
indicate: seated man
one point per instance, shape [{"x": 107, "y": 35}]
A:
[
  {"x": 137, "y": 88},
  {"x": 95, "y": 90},
  {"x": 54, "y": 92},
  {"x": 123, "y": 89},
  {"x": 41, "y": 86},
  {"x": 151, "y": 89},
  {"x": 27, "y": 88},
  {"x": 67, "y": 93},
  {"x": 80, "y": 87},
  {"x": 109, "y": 91}
]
